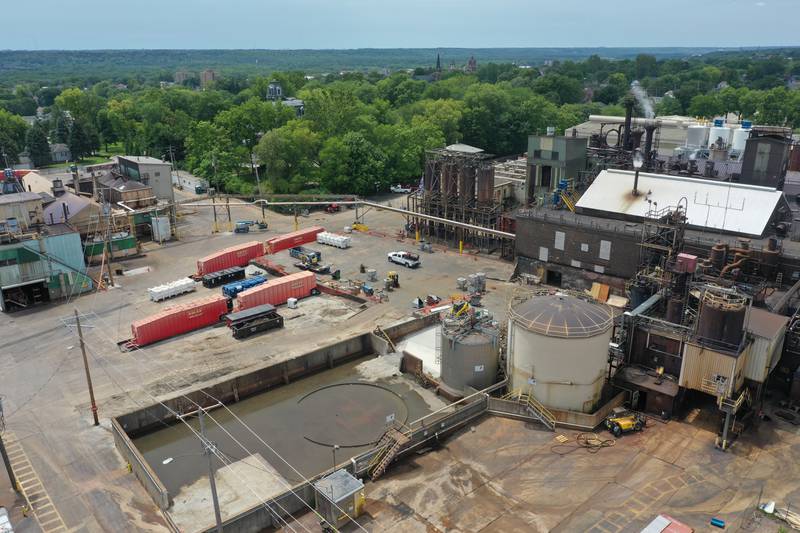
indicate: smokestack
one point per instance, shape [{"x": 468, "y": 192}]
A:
[
  {"x": 626, "y": 136},
  {"x": 650, "y": 129}
]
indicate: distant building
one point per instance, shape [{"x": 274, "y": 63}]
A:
[
  {"x": 472, "y": 64},
  {"x": 151, "y": 172},
  {"x": 59, "y": 153},
  {"x": 274, "y": 91},
  {"x": 61, "y": 205},
  {"x": 181, "y": 77},
  {"x": 297, "y": 104},
  {"x": 206, "y": 77}
]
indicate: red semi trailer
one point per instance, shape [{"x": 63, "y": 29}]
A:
[
  {"x": 290, "y": 240},
  {"x": 178, "y": 320},
  {"x": 234, "y": 256},
  {"x": 277, "y": 291}
]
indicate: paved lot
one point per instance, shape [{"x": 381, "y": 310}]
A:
[
  {"x": 43, "y": 382},
  {"x": 504, "y": 475}
]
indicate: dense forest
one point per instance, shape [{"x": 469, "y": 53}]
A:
[
  {"x": 361, "y": 131},
  {"x": 91, "y": 66}
]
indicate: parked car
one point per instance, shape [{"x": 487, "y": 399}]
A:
[
  {"x": 407, "y": 259},
  {"x": 400, "y": 189}
]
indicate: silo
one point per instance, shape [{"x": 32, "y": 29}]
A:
[
  {"x": 469, "y": 358},
  {"x": 558, "y": 349},
  {"x": 697, "y": 135},
  {"x": 466, "y": 183},
  {"x": 486, "y": 184},
  {"x": 717, "y": 132},
  {"x": 721, "y": 317},
  {"x": 740, "y": 136}
]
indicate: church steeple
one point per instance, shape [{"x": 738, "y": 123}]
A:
[{"x": 438, "y": 63}]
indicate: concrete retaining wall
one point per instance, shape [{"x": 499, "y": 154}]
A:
[{"x": 140, "y": 468}]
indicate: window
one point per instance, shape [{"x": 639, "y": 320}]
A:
[
  {"x": 8, "y": 262},
  {"x": 605, "y": 250},
  {"x": 157, "y": 174},
  {"x": 559, "y": 243},
  {"x": 543, "y": 254},
  {"x": 600, "y": 269},
  {"x": 584, "y": 247},
  {"x": 574, "y": 263}
]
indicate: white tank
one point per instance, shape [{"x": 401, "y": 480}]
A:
[
  {"x": 697, "y": 135},
  {"x": 740, "y": 136},
  {"x": 558, "y": 350},
  {"x": 719, "y": 131}
]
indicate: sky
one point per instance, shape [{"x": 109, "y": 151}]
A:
[{"x": 292, "y": 24}]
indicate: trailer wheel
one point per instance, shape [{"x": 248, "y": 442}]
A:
[{"x": 314, "y": 292}]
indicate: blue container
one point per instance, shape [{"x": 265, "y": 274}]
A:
[
  {"x": 232, "y": 289},
  {"x": 718, "y": 122},
  {"x": 746, "y": 124},
  {"x": 716, "y": 522}
]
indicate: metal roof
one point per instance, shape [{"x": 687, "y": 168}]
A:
[
  {"x": 718, "y": 205},
  {"x": 465, "y": 148},
  {"x": 764, "y": 324},
  {"x": 562, "y": 315},
  {"x": 339, "y": 485},
  {"x": 19, "y": 197},
  {"x": 144, "y": 159}
]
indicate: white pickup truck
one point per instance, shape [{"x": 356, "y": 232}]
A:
[
  {"x": 400, "y": 189},
  {"x": 407, "y": 259}
]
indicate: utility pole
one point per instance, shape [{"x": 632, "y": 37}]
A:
[
  {"x": 208, "y": 450},
  {"x": 228, "y": 208},
  {"x": 86, "y": 367},
  {"x": 260, "y": 197},
  {"x": 3, "y": 452},
  {"x": 214, "y": 206}
]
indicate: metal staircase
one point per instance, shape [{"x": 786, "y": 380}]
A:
[
  {"x": 570, "y": 198},
  {"x": 389, "y": 445},
  {"x": 379, "y": 332},
  {"x": 534, "y": 407}
]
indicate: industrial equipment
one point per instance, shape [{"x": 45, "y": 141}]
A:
[
  {"x": 306, "y": 255},
  {"x": 625, "y": 422},
  {"x": 469, "y": 349},
  {"x": 395, "y": 279},
  {"x": 242, "y": 227},
  {"x": 333, "y": 208},
  {"x": 339, "y": 498},
  {"x": 254, "y": 320},
  {"x": 215, "y": 279},
  {"x": 232, "y": 289}
]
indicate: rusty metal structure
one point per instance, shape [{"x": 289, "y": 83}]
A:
[{"x": 457, "y": 185}]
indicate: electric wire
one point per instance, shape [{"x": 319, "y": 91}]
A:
[{"x": 171, "y": 411}]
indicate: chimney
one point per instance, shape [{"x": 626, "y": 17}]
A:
[{"x": 66, "y": 211}]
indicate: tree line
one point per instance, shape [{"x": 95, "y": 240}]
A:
[{"x": 362, "y": 132}]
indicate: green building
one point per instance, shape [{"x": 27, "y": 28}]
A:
[
  {"x": 550, "y": 159},
  {"x": 42, "y": 269}
]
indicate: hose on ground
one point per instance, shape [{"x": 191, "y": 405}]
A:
[{"x": 591, "y": 442}]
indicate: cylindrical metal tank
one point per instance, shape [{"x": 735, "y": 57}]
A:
[
  {"x": 740, "y": 136},
  {"x": 718, "y": 255},
  {"x": 721, "y": 317},
  {"x": 466, "y": 183},
  {"x": 675, "y": 310},
  {"x": 697, "y": 135},
  {"x": 719, "y": 132},
  {"x": 469, "y": 359},
  {"x": 486, "y": 184},
  {"x": 558, "y": 350}
]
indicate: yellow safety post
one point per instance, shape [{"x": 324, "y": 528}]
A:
[
  {"x": 416, "y": 235},
  {"x": 460, "y": 247}
]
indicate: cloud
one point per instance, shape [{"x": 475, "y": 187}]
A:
[{"x": 760, "y": 4}]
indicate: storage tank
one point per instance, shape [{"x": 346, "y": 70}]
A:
[
  {"x": 740, "y": 136},
  {"x": 558, "y": 349},
  {"x": 719, "y": 131},
  {"x": 697, "y": 135},
  {"x": 721, "y": 317},
  {"x": 468, "y": 358}
]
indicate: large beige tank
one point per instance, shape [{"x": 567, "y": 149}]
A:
[{"x": 558, "y": 349}]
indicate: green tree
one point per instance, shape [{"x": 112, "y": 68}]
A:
[
  {"x": 81, "y": 105},
  {"x": 669, "y": 105},
  {"x": 646, "y": 66},
  {"x": 37, "y": 145},
  {"x": 246, "y": 122},
  {"x": 613, "y": 90},
  {"x": 559, "y": 89},
  {"x": 705, "y": 105},
  {"x": 351, "y": 164},
  {"x": 210, "y": 154},
  {"x": 290, "y": 154},
  {"x": 61, "y": 126},
  {"x": 332, "y": 110},
  {"x": 79, "y": 142},
  {"x": 12, "y": 136}
]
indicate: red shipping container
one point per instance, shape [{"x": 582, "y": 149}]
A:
[
  {"x": 290, "y": 240},
  {"x": 179, "y": 319},
  {"x": 235, "y": 256},
  {"x": 277, "y": 291}
]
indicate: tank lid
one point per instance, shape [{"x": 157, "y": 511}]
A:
[{"x": 562, "y": 315}]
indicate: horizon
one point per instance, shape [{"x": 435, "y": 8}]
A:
[{"x": 358, "y": 24}]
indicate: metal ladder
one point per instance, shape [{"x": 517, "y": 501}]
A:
[{"x": 390, "y": 443}]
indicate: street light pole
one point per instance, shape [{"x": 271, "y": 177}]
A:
[{"x": 208, "y": 450}]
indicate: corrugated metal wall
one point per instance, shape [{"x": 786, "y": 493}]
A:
[
  {"x": 701, "y": 363},
  {"x": 764, "y": 356},
  {"x": 65, "y": 248}
]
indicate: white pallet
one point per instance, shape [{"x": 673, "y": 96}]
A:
[
  {"x": 172, "y": 289},
  {"x": 332, "y": 239}
]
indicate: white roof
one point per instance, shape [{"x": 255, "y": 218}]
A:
[
  {"x": 463, "y": 148},
  {"x": 144, "y": 159},
  {"x": 729, "y": 207}
]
